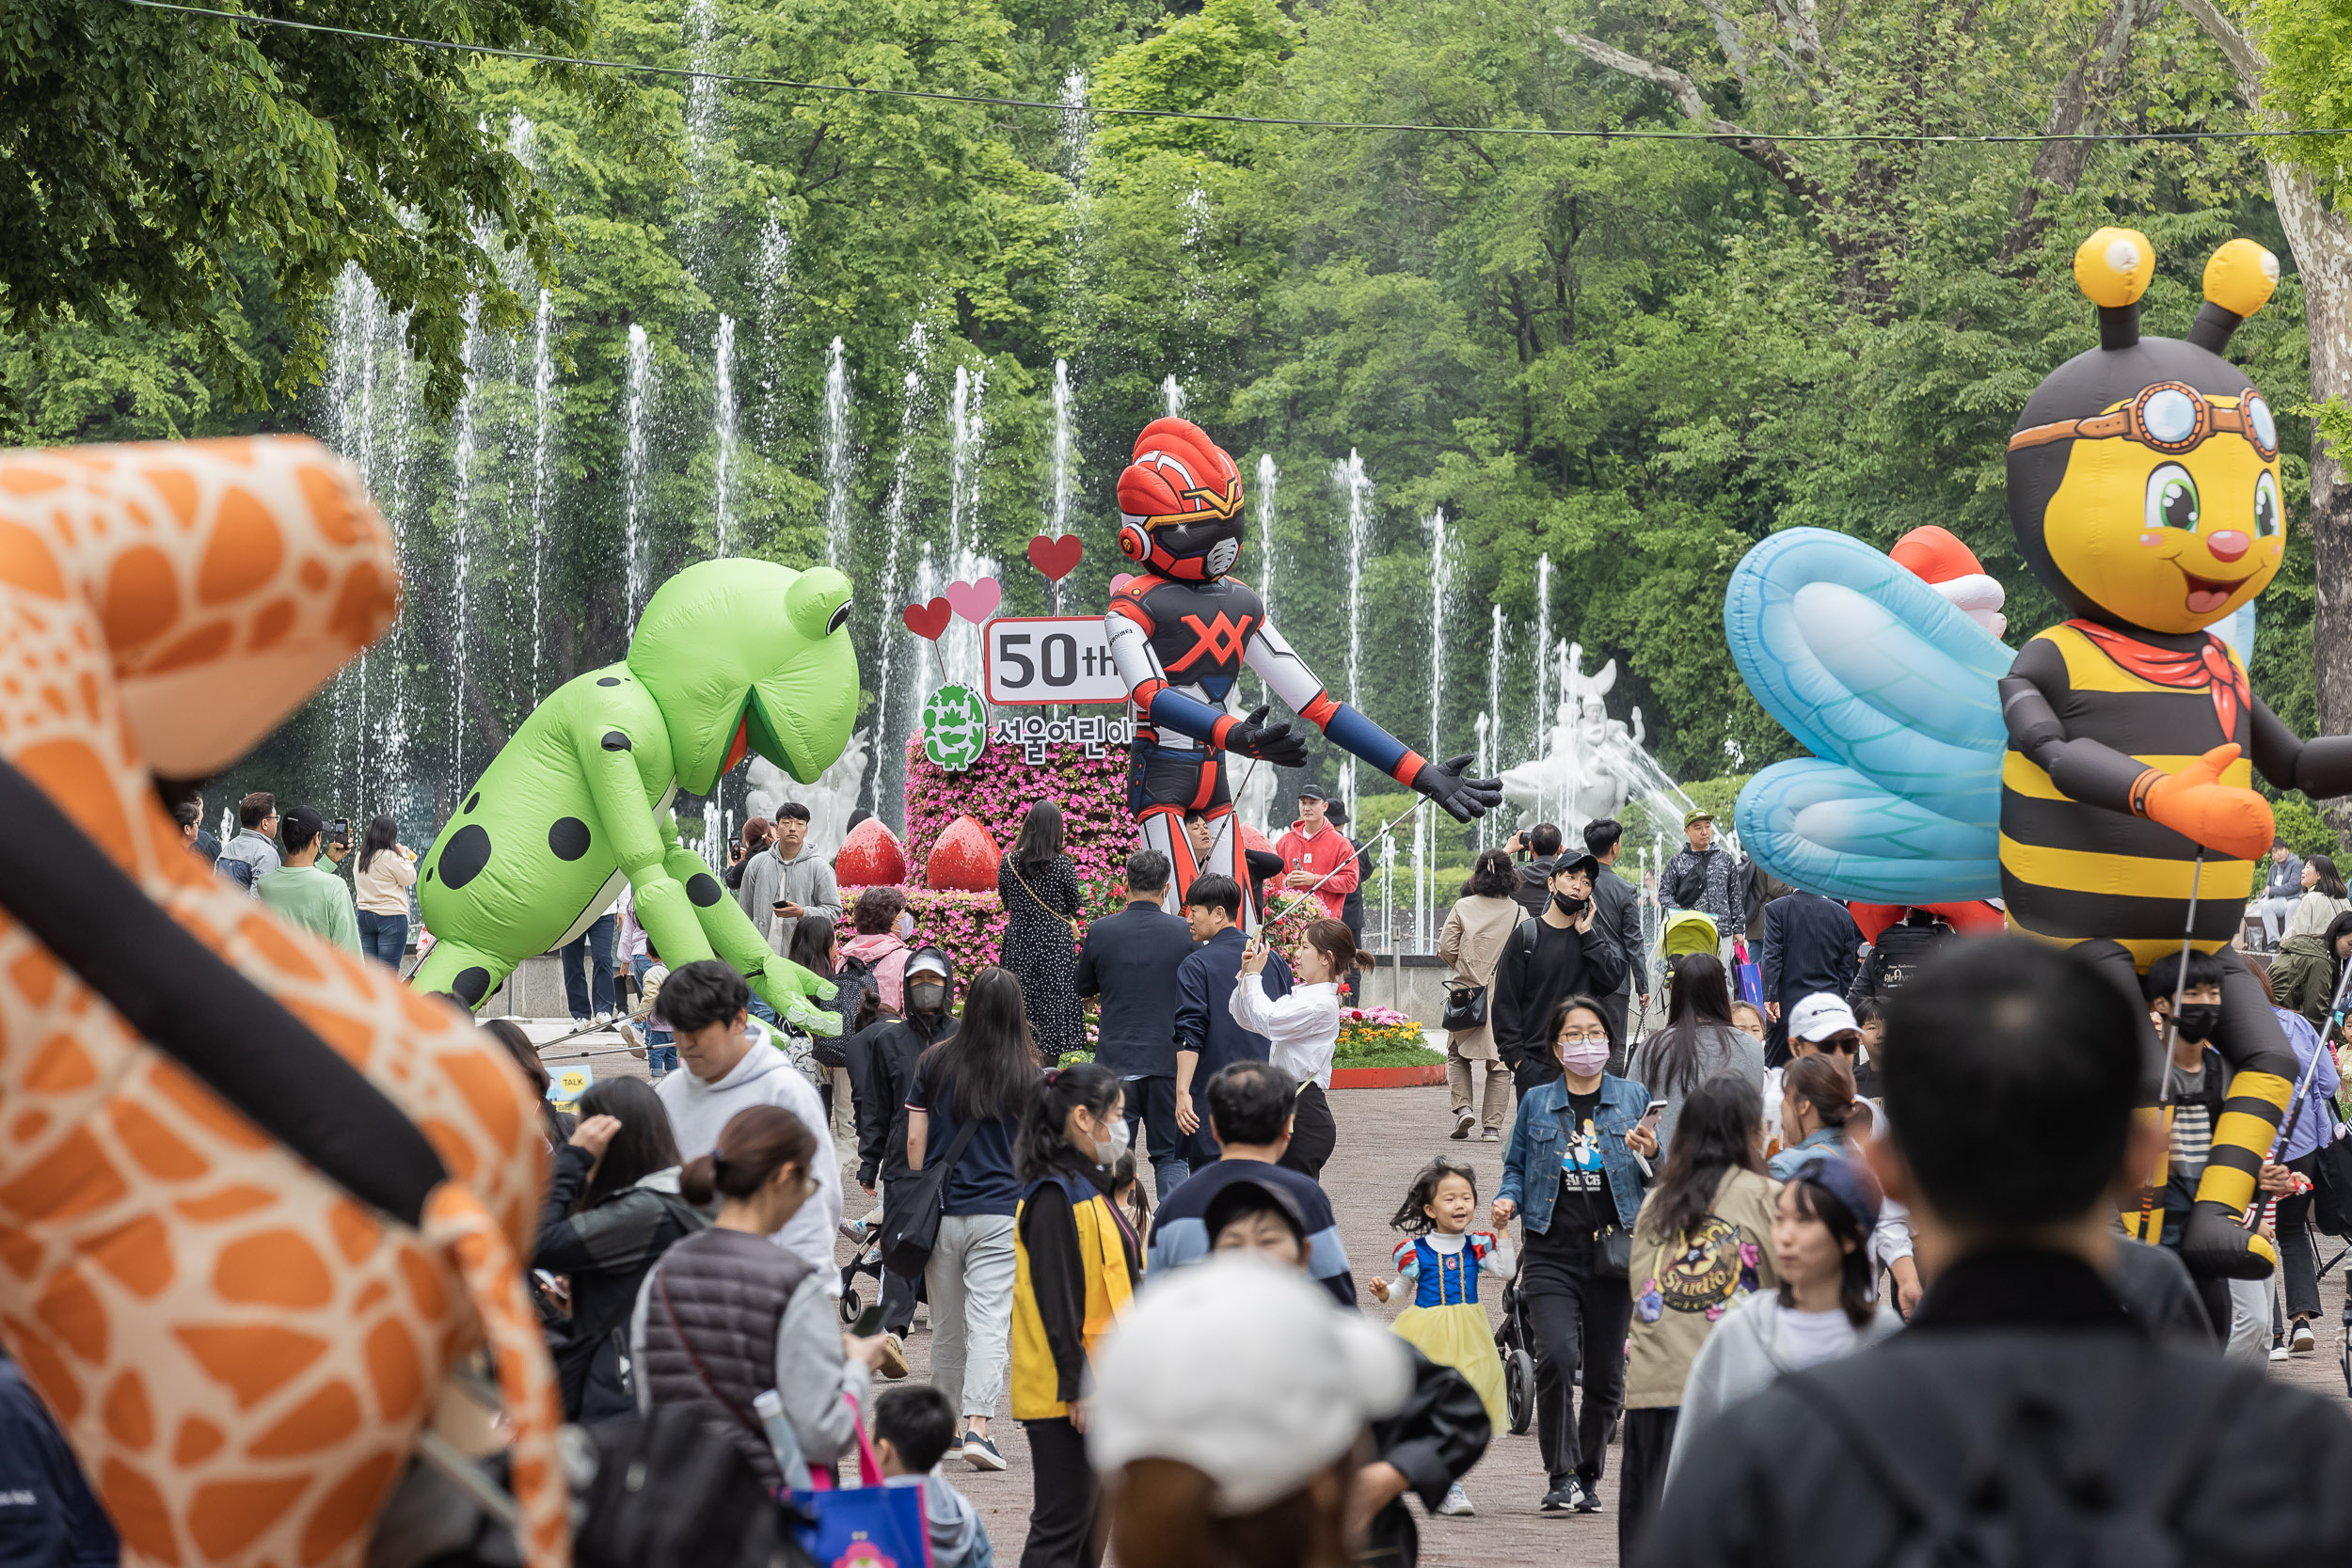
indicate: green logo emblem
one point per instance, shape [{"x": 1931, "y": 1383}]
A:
[{"x": 955, "y": 727}]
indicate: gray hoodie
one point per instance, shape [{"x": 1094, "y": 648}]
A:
[
  {"x": 957, "y": 1539},
  {"x": 1746, "y": 1355},
  {"x": 806, "y": 879},
  {"x": 765, "y": 1077}
]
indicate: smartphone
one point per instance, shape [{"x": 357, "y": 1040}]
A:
[
  {"x": 869, "y": 1323},
  {"x": 343, "y": 831},
  {"x": 781, "y": 905},
  {"x": 1657, "y": 1109}
]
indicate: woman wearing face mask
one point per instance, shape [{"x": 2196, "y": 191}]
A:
[
  {"x": 1559, "y": 954},
  {"x": 1571, "y": 1172},
  {"x": 727, "y": 1315},
  {"x": 1304, "y": 1029},
  {"x": 880, "y": 943},
  {"x": 1079, "y": 1264},
  {"x": 983, "y": 1077},
  {"x": 881, "y": 1060}
]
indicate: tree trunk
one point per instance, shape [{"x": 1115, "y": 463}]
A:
[
  {"x": 2081, "y": 99},
  {"x": 2322, "y": 242}
]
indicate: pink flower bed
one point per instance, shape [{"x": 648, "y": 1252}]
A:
[{"x": 998, "y": 790}]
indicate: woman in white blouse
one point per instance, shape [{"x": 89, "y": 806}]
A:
[{"x": 1304, "y": 1027}]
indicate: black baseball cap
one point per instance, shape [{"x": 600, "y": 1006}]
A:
[
  {"x": 1311, "y": 792},
  {"x": 1585, "y": 864},
  {"x": 299, "y": 825},
  {"x": 1250, "y": 1196}
]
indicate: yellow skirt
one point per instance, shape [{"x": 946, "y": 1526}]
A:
[{"x": 1460, "y": 1337}]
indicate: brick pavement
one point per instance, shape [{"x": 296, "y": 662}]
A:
[{"x": 1384, "y": 1136}]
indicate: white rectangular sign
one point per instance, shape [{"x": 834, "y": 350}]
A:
[{"x": 1049, "y": 659}]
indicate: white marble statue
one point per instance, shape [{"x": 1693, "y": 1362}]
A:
[
  {"x": 829, "y": 801},
  {"x": 1592, "y": 763}
]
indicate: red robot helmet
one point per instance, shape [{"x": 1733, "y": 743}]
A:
[{"x": 1180, "y": 503}]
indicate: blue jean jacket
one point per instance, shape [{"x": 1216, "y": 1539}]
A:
[{"x": 1531, "y": 1160}]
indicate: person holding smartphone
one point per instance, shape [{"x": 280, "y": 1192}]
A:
[{"x": 1559, "y": 954}]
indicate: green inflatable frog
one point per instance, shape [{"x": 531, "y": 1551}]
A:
[{"x": 730, "y": 657}]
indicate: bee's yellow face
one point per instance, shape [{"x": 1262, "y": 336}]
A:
[{"x": 2172, "y": 540}]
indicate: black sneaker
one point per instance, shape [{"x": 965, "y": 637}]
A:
[
  {"x": 1566, "y": 1498},
  {"x": 1587, "y": 1496}
]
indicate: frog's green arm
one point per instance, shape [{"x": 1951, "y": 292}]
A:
[
  {"x": 780, "y": 983},
  {"x": 664, "y": 905}
]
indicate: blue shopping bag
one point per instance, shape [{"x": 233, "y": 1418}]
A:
[
  {"x": 868, "y": 1525},
  {"x": 1747, "y": 979}
]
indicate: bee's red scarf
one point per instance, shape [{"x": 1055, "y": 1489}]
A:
[{"x": 2210, "y": 666}]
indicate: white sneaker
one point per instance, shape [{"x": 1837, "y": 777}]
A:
[
  {"x": 2278, "y": 1352},
  {"x": 2303, "y": 1341},
  {"x": 1456, "y": 1504},
  {"x": 604, "y": 1019},
  {"x": 630, "y": 1039}
]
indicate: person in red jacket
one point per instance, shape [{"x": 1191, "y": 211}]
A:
[{"x": 1317, "y": 855}]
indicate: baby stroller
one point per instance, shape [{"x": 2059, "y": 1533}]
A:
[
  {"x": 865, "y": 1260},
  {"x": 1519, "y": 1360}
]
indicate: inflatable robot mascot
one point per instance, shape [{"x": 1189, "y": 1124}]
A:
[
  {"x": 2107, "y": 767},
  {"x": 1180, "y": 634},
  {"x": 257, "y": 1197},
  {"x": 730, "y": 657}
]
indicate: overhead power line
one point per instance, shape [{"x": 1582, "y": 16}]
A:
[{"x": 1099, "y": 112}]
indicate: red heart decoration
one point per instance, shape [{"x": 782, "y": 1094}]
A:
[
  {"x": 1056, "y": 558},
  {"x": 928, "y": 620}
]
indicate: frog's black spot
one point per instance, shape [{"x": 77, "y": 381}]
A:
[
  {"x": 471, "y": 985},
  {"x": 703, "y": 889},
  {"x": 615, "y": 741},
  {"x": 428, "y": 873},
  {"x": 474, "y": 799},
  {"x": 463, "y": 856},
  {"x": 568, "y": 838},
  {"x": 610, "y": 681}
]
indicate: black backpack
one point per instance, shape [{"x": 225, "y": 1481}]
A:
[{"x": 2082, "y": 1470}]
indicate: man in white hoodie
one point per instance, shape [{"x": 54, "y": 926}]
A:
[{"x": 730, "y": 1066}]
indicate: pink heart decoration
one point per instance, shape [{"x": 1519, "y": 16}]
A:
[
  {"x": 1122, "y": 580},
  {"x": 928, "y": 620},
  {"x": 1056, "y": 558},
  {"x": 975, "y": 601}
]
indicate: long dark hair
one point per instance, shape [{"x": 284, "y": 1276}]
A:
[
  {"x": 2338, "y": 929},
  {"x": 756, "y": 1142},
  {"x": 2330, "y": 883},
  {"x": 643, "y": 1146},
  {"x": 1042, "y": 1149},
  {"x": 1041, "y": 837},
  {"x": 811, "y": 943},
  {"x": 988, "y": 1067},
  {"x": 1696, "y": 997},
  {"x": 1492, "y": 876},
  {"x": 383, "y": 833},
  {"x": 1823, "y": 1083},
  {"x": 1714, "y": 1132},
  {"x": 1408, "y": 1216},
  {"x": 1817, "y": 1202}
]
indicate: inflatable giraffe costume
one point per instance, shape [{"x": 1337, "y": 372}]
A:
[{"x": 256, "y": 1196}]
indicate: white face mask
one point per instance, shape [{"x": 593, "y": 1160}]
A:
[{"x": 905, "y": 927}]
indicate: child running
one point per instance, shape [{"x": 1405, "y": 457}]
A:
[{"x": 1440, "y": 1266}]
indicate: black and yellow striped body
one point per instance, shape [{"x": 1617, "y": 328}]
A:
[{"x": 2071, "y": 872}]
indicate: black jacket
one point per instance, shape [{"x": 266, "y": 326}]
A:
[
  {"x": 1899, "y": 949},
  {"x": 1129, "y": 959},
  {"x": 2016, "y": 1366},
  {"x": 1539, "y": 967},
  {"x": 1441, "y": 1432},
  {"x": 1621, "y": 918},
  {"x": 1810, "y": 944},
  {"x": 881, "y": 1059},
  {"x": 605, "y": 1252}
]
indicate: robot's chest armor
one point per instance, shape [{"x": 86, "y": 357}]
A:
[{"x": 1200, "y": 629}]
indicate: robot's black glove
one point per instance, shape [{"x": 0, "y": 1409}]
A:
[
  {"x": 1275, "y": 743},
  {"x": 1468, "y": 799}
]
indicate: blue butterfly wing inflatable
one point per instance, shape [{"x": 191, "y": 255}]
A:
[{"x": 1893, "y": 690}]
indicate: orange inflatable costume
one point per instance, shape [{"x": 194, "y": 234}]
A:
[{"x": 256, "y": 1196}]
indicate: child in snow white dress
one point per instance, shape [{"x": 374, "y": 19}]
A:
[{"x": 1438, "y": 1269}]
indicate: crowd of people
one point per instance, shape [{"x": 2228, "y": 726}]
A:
[{"x": 1689, "y": 1227}]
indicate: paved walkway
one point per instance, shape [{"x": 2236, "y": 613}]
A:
[{"x": 1384, "y": 1135}]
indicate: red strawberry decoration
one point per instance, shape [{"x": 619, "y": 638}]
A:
[
  {"x": 964, "y": 857},
  {"x": 871, "y": 855}
]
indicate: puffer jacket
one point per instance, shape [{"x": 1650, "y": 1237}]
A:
[{"x": 2303, "y": 977}]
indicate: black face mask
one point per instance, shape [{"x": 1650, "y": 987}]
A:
[
  {"x": 1569, "y": 905},
  {"x": 2197, "y": 1020}
]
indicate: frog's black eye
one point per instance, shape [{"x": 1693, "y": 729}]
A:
[
  {"x": 2265, "y": 507},
  {"x": 840, "y": 618},
  {"x": 2172, "y": 498}
]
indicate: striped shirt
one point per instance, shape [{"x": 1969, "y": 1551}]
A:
[{"x": 2192, "y": 1124}]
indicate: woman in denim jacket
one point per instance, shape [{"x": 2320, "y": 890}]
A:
[{"x": 1574, "y": 1171}]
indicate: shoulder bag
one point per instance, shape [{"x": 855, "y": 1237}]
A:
[
  {"x": 911, "y": 1229},
  {"x": 1077, "y": 927},
  {"x": 1465, "y": 1006}
]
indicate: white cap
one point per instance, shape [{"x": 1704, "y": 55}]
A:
[
  {"x": 1818, "y": 1017},
  {"x": 1245, "y": 1370}
]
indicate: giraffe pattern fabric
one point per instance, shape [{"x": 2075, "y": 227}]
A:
[{"x": 240, "y": 1353}]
